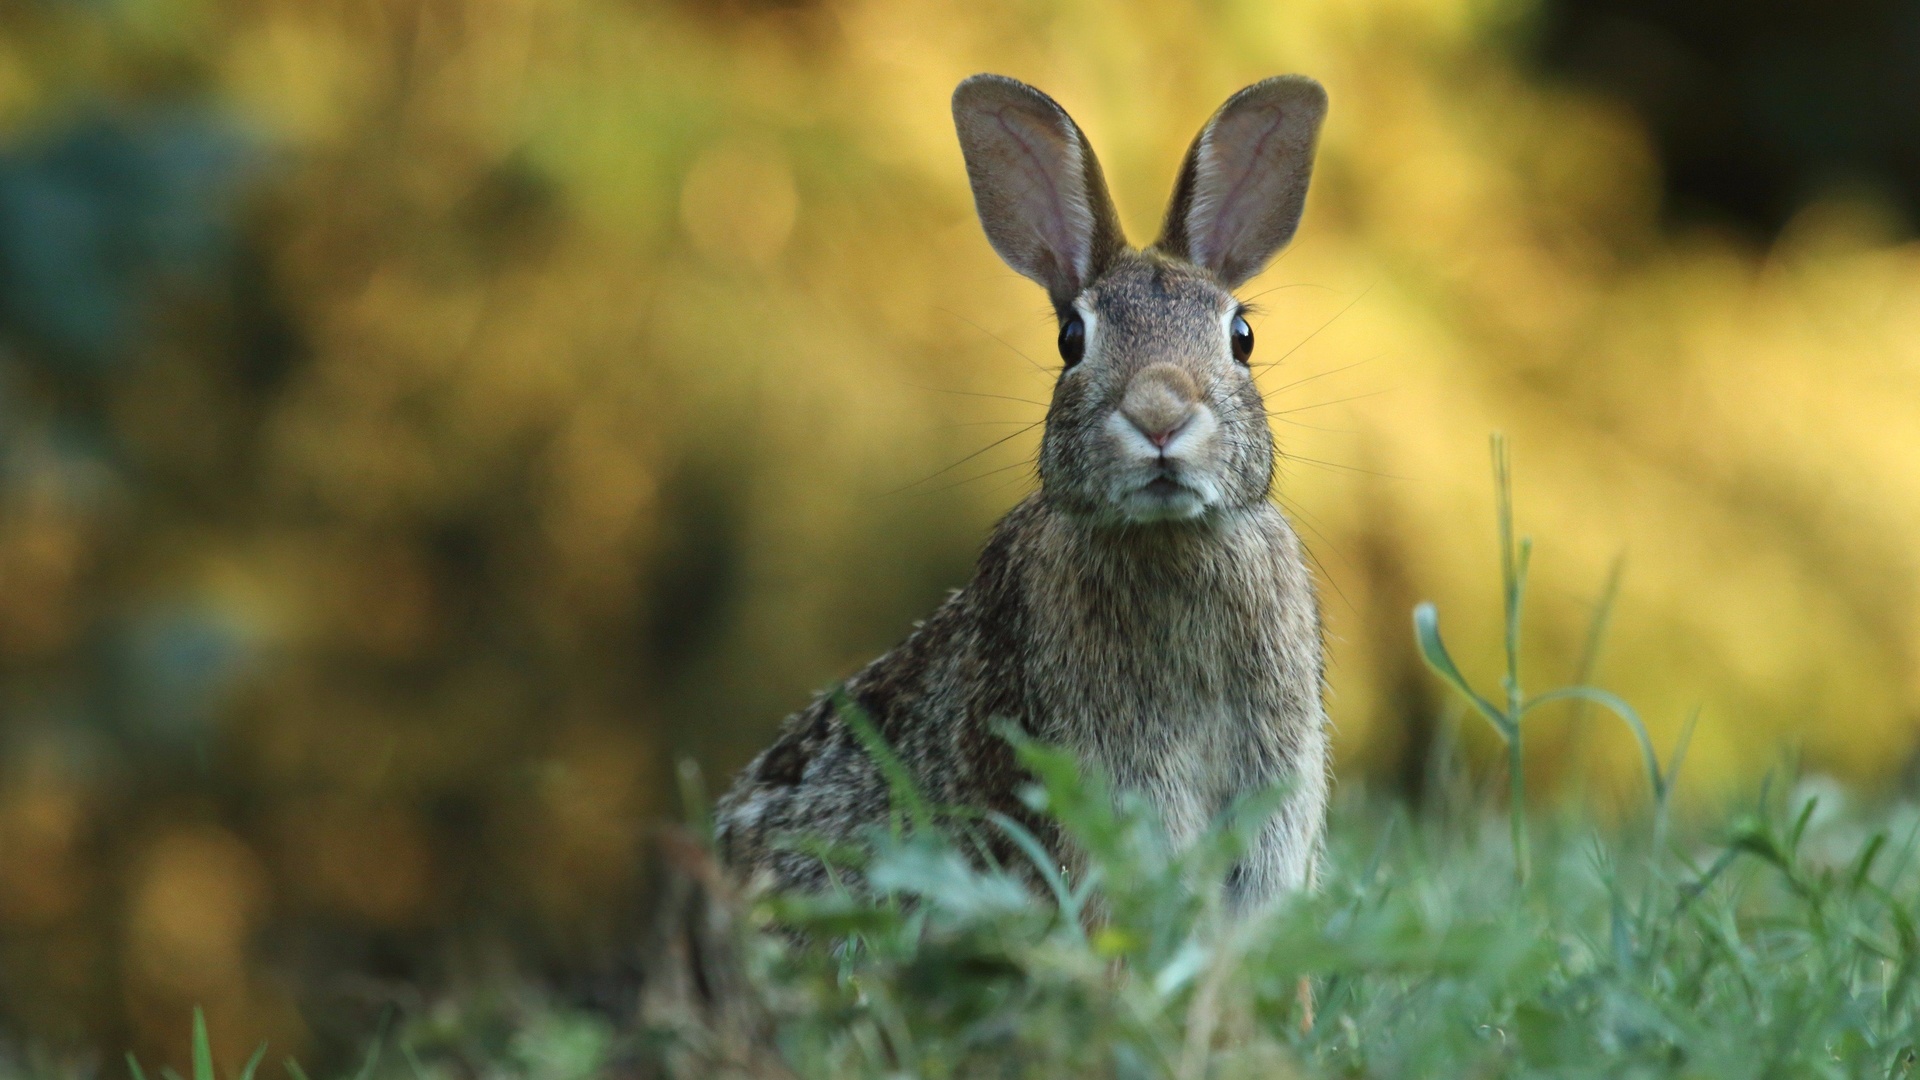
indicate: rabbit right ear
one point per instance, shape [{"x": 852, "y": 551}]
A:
[
  {"x": 1244, "y": 183},
  {"x": 1036, "y": 184}
]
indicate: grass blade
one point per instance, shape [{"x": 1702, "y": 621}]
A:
[
  {"x": 202, "y": 1048},
  {"x": 254, "y": 1061},
  {"x": 1036, "y": 853},
  {"x": 1602, "y": 619},
  {"x": 905, "y": 792},
  {"x": 1615, "y": 704},
  {"x": 372, "y": 1061},
  {"x": 1426, "y": 634}
]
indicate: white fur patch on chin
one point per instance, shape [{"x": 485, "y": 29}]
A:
[
  {"x": 1144, "y": 505},
  {"x": 1133, "y": 496}
]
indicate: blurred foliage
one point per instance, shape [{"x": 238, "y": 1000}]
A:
[
  {"x": 1780, "y": 942},
  {"x": 421, "y": 420}
]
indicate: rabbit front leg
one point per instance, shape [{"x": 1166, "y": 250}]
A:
[{"x": 1285, "y": 857}]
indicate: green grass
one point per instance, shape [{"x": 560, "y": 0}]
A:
[{"x": 1452, "y": 940}]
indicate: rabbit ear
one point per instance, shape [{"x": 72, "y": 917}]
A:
[
  {"x": 1244, "y": 182},
  {"x": 1036, "y": 184}
]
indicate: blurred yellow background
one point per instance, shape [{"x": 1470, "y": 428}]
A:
[{"x": 421, "y": 421}]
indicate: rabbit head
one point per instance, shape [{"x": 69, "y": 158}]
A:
[{"x": 1155, "y": 416}]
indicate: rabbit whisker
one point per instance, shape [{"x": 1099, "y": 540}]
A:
[
  {"x": 969, "y": 457},
  {"x": 1284, "y": 387},
  {"x": 1317, "y": 427},
  {"x": 1314, "y": 525},
  {"x": 1335, "y": 465},
  {"x": 1324, "y": 404},
  {"x": 1002, "y": 487},
  {"x": 1030, "y": 360},
  {"x": 1248, "y": 301},
  {"x": 1316, "y": 330},
  {"x": 974, "y": 393},
  {"x": 1024, "y": 462},
  {"x": 1326, "y": 575}
]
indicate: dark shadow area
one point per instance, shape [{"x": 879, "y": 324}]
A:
[{"x": 1755, "y": 108}]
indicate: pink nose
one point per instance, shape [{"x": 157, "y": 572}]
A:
[
  {"x": 1159, "y": 403},
  {"x": 1165, "y": 435}
]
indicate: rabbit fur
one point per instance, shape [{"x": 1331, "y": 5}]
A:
[{"x": 1148, "y": 608}]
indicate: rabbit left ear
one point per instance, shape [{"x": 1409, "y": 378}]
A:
[
  {"x": 1244, "y": 182},
  {"x": 1036, "y": 184}
]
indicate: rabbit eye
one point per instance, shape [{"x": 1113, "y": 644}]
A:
[
  {"x": 1073, "y": 340},
  {"x": 1241, "y": 339}
]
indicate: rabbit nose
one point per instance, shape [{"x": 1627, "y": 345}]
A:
[
  {"x": 1162, "y": 437},
  {"x": 1159, "y": 402}
]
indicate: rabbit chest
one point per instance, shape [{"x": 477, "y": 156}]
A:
[{"x": 1185, "y": 662}]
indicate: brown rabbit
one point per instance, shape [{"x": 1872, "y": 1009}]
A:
[{"x": 1148, "y": 608}]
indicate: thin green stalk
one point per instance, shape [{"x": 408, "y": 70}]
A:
[
  {"x": 1516, "y": 555},
  {"x": 1513, "y": 578},
  {"x": 1511, "y": 572},
  {"x": 1589, "y": 667},
  {"x": 1517, "y": 818}
]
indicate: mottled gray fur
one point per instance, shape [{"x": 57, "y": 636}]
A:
[{"x": 1148, "y": 608}]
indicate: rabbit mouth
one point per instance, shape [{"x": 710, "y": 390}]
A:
[{"x": 1163, "y": 498}]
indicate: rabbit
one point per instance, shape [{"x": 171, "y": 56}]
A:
[{"x": 1148, "y": 609}]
